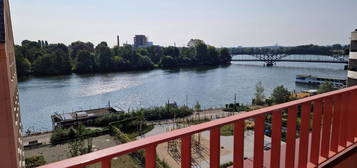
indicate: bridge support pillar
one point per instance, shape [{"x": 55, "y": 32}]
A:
[{"x": 269, "y": 64}]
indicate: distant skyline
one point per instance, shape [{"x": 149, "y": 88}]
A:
[{"x": 222, "y": 23}]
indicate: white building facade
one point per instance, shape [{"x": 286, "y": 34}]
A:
[{"x": 352, "y": 65}]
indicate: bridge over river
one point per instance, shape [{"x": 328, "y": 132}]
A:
[{"x": 271, "y": 58}]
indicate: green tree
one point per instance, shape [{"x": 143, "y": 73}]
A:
[
  {"x": 280, "y": 95},
  {"x": 116, "y": 50},
  {"x": 55, "y": 61},
  {"x": 128, "y": 53},
  {"x": 197, "y": 106},
  {"x": 84, "y": 62},
  {"x": 187, "y": 56},
  {"x": 201, "y": 53},
  {"x": 259, "y": 93},
  {"x": 142, "y": 51},
  {"x": 79, "y": 145},
  {"x": 168, "y": 61},
  {"x": 224, "y": 56},
  {"x": 104, "y": 57},
  {"x": 23, "y": 65},
  {"x": 41, "y": 58},
  {"x": 155, "y": 54},
  {"x": 32, "y": 50},
  {"x": 44, "y": 65},
  {"x": 79, "y": 46},
  {"x": 61, "y": 60},
  {"x": 172, "y": 51},
  {"x": 121, "y": 64},
  {"x": 145, "y": 63},
  {"x": 141, "y": 118},
  {"x": 212, "y": 56},
  {"x": 325, "y": 87}
]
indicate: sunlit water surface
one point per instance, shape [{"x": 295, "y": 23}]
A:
[{"x": 211, "y": 86}]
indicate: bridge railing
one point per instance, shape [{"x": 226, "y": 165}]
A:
[{"x": 326, "y": 125}]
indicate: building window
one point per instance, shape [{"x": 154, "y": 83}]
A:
[
  {"x": 352, "y": 65},
  {"x": 354, "y": 46}
]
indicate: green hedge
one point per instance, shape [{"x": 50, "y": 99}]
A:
[
  {"x": 35, "y": 161},
  {"x": 165, "y": 112},
  {"x": 61, "y": 135},
  {"x": 148, "y": 114}
]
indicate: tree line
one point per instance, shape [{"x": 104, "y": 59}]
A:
[
  {"x": 42, "y": 58},
  {"x": 301, "y": 49}
]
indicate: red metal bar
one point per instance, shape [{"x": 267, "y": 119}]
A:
[
  {"x": 186, "y": 151},
  {"x": 343, "y": 136},
  {"x": 238, "y": 153},
  {"x": 215, "y": 147},
  {"x": 150, "y": 156},
  {"x": 259, "y": 141},
  {"x": 276, "y": 140},
  {"x": 304, "y": 134},
  {"x": 350, "y": 128},
  {"x": 76, "y": 166},
  {"x": 291, "y": 137},
  {"x": 336, "y": 124},
  {"x": 316, "y": 133},
  {"x": 107, "y": 163},
  {"x": 326, "y": 128}
]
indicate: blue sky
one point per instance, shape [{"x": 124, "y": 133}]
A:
[{"x": 218, "y": 22}]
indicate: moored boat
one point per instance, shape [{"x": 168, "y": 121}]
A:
[
  {"x": 85, "y": 117},
  {"x": 315, "y": 80}
]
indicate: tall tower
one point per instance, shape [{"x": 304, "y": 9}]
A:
[
  {"x": 118, "y": 41},
  {"x": 11, "y": 151},
  {"x": 352, "y": 63}
]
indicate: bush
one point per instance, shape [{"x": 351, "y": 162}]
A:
[
  {"x": 280, "y": 95},
  {"x": 108, "y": 118},
  {"x": 58, "y": 134},
  {"x": 325, "y": 87},
  {"x": 235, "y": 107},
  {"x": 197, "y": 106},
  {"x": 259, "y": 94},
  {"x": 165, "y": 112},
  {"x": 149, "y": 114},
  {"x": 61, "y": 135},
  {"x": 35, "y": 161},
  {"x": 168, "y": 61}
]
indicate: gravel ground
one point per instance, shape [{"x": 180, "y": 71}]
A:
[{"x": 60, "y": 152}]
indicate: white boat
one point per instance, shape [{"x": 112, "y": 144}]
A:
[{"x": 314, "y": 80}]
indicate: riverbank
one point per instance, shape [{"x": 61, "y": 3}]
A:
[{"x": 212, "y": 87}]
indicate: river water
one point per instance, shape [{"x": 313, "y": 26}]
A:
[{"x": 211, "y": 86}]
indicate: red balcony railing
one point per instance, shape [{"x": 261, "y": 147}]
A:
[{"x": 328, "y": 126}]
